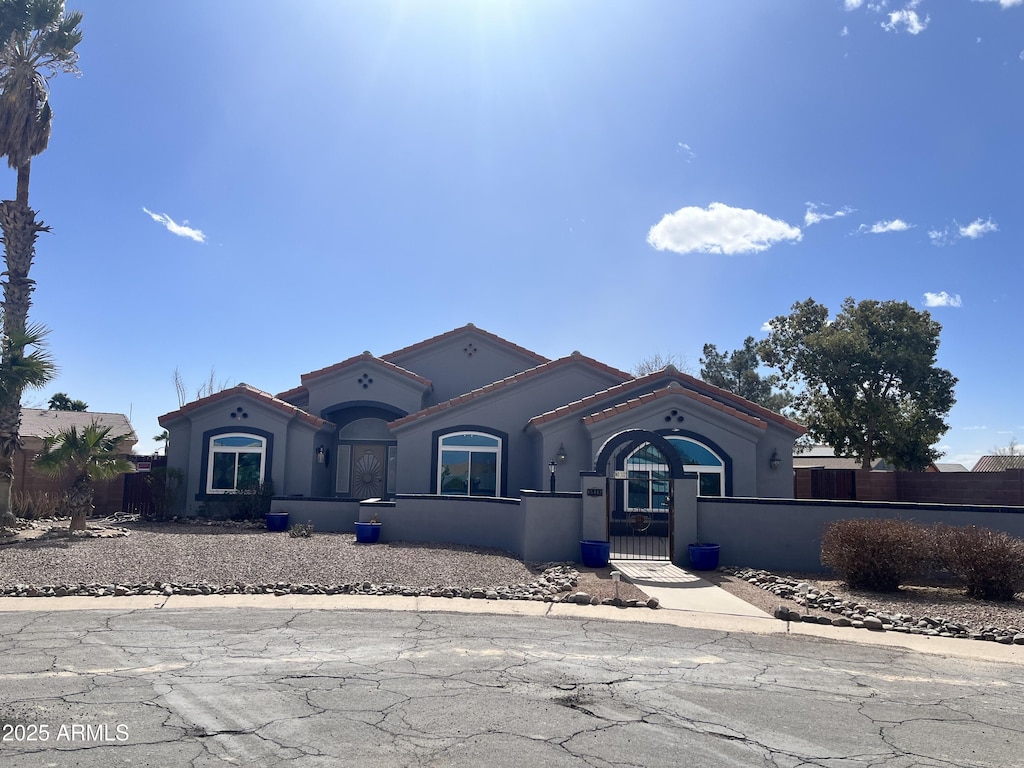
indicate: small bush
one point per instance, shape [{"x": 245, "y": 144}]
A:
[
  {"x": 990, "y": 563},
  {"x": 36, "y": 505},
  {"x": 300, "y": 531},
  {"x": 875, "y": 554}
]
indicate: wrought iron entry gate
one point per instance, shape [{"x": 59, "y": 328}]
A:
[{"x": 640, "y": 505}]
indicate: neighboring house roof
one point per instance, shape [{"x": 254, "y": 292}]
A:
[
  {"x": 949, "y": 467},
  {"x": 509, "y": 381},
  {"x": 246, "y": 391},
  {"x": 820, "y": 456},
  {"x": 40, "y": 423},
  {"x": 689, "y": 383},
  {"x": 673, "y": 388},
  {"x": 998, "y": 463},
  {"x": 398, "y": 353}
]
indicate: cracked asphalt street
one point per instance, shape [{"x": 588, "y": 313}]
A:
[{"x": 268, "y": 686}]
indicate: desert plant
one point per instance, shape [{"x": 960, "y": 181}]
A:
[
  {"x": 165, "y": 485},
  {"x": 36, "y": 505},
  {"x": 251, "y": 501},
  {"x": 90, "y": 454},
  {"x": 301, "y": 531},
  {"x": 876, "y": 554},
  {"x": 990, "y": 563}
]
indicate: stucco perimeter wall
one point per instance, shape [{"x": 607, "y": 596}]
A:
[
  {"x": 785, "y": 534},
  {"x": 539, "y": 527},
  {"x": 328, "y": 515}
]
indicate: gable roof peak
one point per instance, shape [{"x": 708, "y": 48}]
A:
[{"x": 671, "y": 369}]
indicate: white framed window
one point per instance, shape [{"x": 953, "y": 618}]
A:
[
  {"x": 468, "y": 464},
  {"x": 237, "y": 460}
]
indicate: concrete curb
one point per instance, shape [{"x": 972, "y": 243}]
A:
[{"x": 689, "y": 619}]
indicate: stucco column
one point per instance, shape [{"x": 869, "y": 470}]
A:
[
  {"x": 684, "y": 533},
  {"x": 594, "y": 524}
]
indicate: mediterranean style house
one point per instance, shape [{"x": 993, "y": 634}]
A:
[{"x": 468, "y": 414}]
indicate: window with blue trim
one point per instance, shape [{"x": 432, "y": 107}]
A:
[{"x": 468, "y": 464}]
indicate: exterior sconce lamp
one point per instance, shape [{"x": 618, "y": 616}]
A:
[
  {"x": 561, "y": 456},
  {"x": 774, "y": 461},
  {"x": 551, "y": 466},
  {"x": 321, "y": 455}
]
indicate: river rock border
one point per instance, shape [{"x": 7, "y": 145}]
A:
[
  {"x": 861, "y": 616},
  {"x": 554, "y": 585}
]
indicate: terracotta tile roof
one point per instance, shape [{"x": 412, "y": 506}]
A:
[
  {"x": 673, "y": 388},
  {"x": 365, "y": 358},
  {"x": 508, "y": 382},
  {"x": 36, "y": 422},
  {"x": 288, "y": 394},
  {"x": 454, "y": 332},
  {"x": 689, "y": 383},
  {"x": 247, "y": 391}
]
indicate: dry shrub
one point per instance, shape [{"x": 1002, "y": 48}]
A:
[
  {"x": 37, "y": 505},
  {"x": 876, "y": 554},
  {"x": 990, "y": 563}
]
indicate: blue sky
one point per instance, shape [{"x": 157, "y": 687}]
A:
[{"x": 269, "y": 188}]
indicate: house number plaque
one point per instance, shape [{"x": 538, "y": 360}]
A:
[{"x": 595, "y": 491}]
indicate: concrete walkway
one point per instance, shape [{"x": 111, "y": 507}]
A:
[{"x": 681, "y": 590}]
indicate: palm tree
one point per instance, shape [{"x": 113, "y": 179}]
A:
[
  {"x": 165, "y": 438},
  {"x": 90, "y": 454},
  {"x": 37, "y": 41},
  {"x": 61, "y": 402},
  {"x": 24, "y": 363}
]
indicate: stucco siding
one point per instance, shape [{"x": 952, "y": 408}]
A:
[{"x": 506, "y": 410}]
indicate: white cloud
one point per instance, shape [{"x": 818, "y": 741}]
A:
[
  {"x": 181, "y": 230},
  {"x": 942, "y": 299},
  {"x": 908, "y": 19},
  {"x": 766, "y": 326},
  {"x": 719, "y": 229},
  {"x": 1003, "y": 3},
  {"x": 977, "y": 228},
  {"x": 975, "y": 428},
  {"x": 685, "y": 150},
  {"x": 812, "y": 216},
  {"x": 844, "y": 31},
  {"x": 852, "y": 5},
  {"x": 880, "y": 227}
]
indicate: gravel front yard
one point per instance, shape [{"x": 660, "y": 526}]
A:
[{"x": 224, "y": 555}]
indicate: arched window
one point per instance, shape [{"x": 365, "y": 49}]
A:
[
  {"x": 468, "y": 464},
  {"x": 708, "y": 466},
  {"x": 236, "y": 461}
]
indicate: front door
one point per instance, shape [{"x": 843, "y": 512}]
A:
[{"x": 367, "y": 470}]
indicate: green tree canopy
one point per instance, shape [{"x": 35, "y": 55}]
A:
[
  {"x": 737, "y": 371},
  {"x": 61, "y": 402},
  {"x": 866, "y": 381}
]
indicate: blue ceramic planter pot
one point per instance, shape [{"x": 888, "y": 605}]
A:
[
  {"x": 704, "y": 557},
  {"x": 367, "y": 533},
  {"x": 595, "y": 554},
  {"x": 277, "y": 521}
]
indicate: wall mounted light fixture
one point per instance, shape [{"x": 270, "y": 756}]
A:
[
  {"x": 774, "y": 461},
  {"x": 321, "y": 455},
  {"x": 561, "y": 456}
]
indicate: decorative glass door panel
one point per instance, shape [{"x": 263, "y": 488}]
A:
[{"x": 367, "y": 471}]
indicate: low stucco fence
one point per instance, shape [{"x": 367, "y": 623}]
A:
[
  {"x": 774, "y": 534},
  {"x": 785, "y": 534}
]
